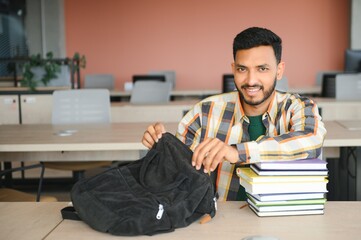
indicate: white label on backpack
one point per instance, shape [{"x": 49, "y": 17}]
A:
[{"x": 160, "y": 211}]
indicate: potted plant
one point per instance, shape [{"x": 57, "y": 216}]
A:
[{"x": 43, "y": 70}]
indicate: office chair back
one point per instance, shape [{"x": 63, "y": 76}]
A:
[
  {"x": 160, "y": 78},
  {"x": 320, "y": 75},
  {"x": 228, "y": 83},
  {"x": 170, "y": 76},
  {"x": 104, "y": 81},
  {"x": 348, "y": 86},
  {"x": 282, "y": 84},
  {"x": 81, "y": 106},
  {"x": 328, "y": 88},
  {"x": 150, "y": 92}
]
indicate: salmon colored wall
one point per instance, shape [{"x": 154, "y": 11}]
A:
[{"x": 194, "y": 37}]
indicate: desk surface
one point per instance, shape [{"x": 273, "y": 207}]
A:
[
  {"x": 209, "y": 92},
  {"x": 90, "y": 137},
  {"x": 40, "y": 220},
  {"x": 340, "y": 136},
  {"x": 28, "y": 220},
  {"x": 88, "y": 142},
  {"x": 174, "y": 93},
  {"x": 116, "y": 137}
]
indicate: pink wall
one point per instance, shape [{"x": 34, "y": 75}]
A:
[{"x": 194, "y": 37}]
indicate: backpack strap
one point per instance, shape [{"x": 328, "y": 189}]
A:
[{"x": 70, "y": 213}]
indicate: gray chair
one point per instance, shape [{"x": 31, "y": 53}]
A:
[
  {"x": 348, "y": 86},
  {"x": 282, "y": 84},
  {"x": 320, "y": 76},
  {"x": 228, "y": 83},
  {"x": 81, "y": 106},
  {"x": 150, "y": 92},
  {"x": 104, "y": 81},
  {"x": 170, "y": 76}
]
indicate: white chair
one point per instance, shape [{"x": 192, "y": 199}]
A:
[
  {"x": 150, "y": 92},
  {"x": 105, "y": 81},
  {"x": 79, "y": 106}
]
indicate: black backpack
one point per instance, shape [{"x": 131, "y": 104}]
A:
[{"x": 155, "y": 194}]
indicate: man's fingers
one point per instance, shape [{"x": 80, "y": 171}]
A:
[
  {"x": 214, "y": 156},
  {"x": 159, "y": 129},
  {"x": 153, "y": 134},
  {"x": 202, "y": 152},
  {"x": 211, "y": 152},
  {"x": 147, "y": 140}
]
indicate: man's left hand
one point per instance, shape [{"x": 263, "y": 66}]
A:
[{"x": 211, "y": 152}]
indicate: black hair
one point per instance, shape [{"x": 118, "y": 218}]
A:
[{"x": 255, "y": 37}]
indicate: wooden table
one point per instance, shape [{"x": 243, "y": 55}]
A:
[
  {"x": 116, "y": 141},
  {"x": 123, "y": 112},
  {"x": 333, "y": 109},
  {"x": 41, "y": 221},
  {"x": 29, "y": 220},
  {"x": 86, "y": 142},
  {"x": 195, "y": 94}
]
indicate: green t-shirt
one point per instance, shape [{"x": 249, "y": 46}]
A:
[{"x": 255, "y": 129}]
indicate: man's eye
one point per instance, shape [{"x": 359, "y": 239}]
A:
[
  {"x": 263, "y": 69},
  {"x": 241, "y": 69}
]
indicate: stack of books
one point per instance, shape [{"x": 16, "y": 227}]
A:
[{"x": 286, "y": 188}]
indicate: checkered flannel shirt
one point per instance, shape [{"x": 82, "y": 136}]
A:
[{"x": 294, "y": 130}]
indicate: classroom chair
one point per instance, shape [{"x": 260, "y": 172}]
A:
[
  {"x": 104, "y": 81},
  {"x": 81, "y": 106},
  {"x": 150, "y": 92}
]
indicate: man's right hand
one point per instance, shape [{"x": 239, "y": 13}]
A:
[{"x": 153, "y": 134}]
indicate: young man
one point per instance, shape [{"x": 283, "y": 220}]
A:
[{"x": 255, "y": 123}]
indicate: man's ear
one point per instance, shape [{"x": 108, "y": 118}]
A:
[
  {"x": 232, "y": 67},
  {"x": 280, "y": 70}
]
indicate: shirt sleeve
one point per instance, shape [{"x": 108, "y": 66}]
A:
[
  {"x": 189, "y": 128},
  {"x": 296, "y": 133}
]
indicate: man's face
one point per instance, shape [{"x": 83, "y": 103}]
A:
[{"x": 255, "y": 74}]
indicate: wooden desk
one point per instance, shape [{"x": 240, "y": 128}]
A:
[
  {"x": 340, "y": 136},
  {"x": 340, "y": 221},
  {"x": 29, "y": 220},
  {"x": 89, "y": 142},
  {"x": 197, "y": 94},
  {"x": 114, "y": 141},
  {"x": 332, "y": 109},
  {"x": 309, "y": 90},
  {"x": 123, "y": 112}
]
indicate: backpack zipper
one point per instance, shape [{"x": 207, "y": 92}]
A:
[
  {"x": 215, "y": 203},
  {"x": 160, "y": 212}
]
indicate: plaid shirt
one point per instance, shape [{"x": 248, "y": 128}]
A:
[{"x": 294, "y": 130}]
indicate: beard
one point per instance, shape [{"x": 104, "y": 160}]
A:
[{"x": 267, "y": 93}]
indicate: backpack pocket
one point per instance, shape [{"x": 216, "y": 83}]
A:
[{"x": 119, "y": 205}]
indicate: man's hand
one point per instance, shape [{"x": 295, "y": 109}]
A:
[
  {"x": 211, "y": 152},
  {"x": 153, "y": 134}
]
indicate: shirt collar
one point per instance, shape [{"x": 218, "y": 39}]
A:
[{"x": 271, "y": 111}]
